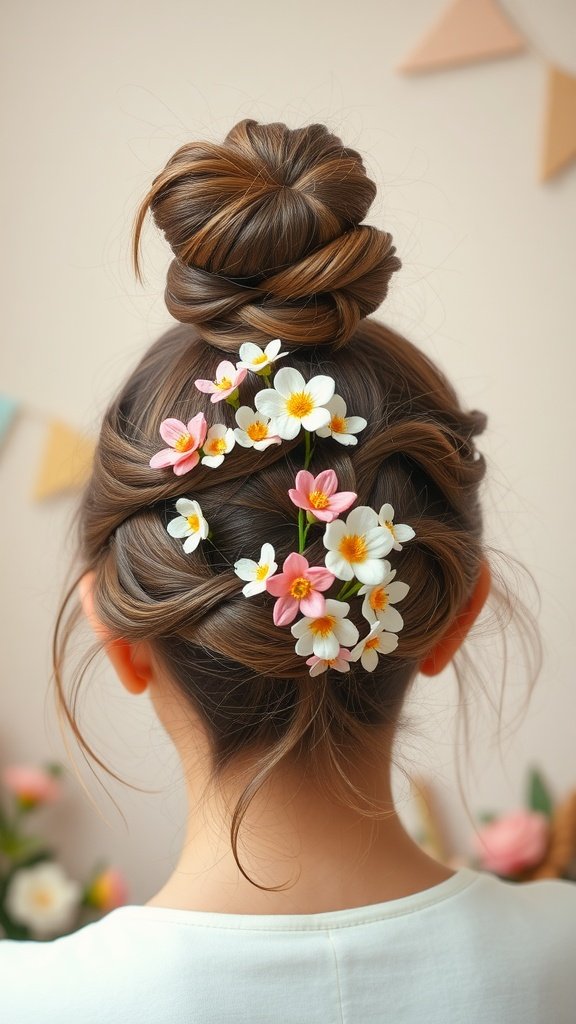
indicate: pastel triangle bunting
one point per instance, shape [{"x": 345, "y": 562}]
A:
[
  {"x": 467, "y": 30},
  {"x": 559, "y": 145},
  {"x": 66, "y": 461}
]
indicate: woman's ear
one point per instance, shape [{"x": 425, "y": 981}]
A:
[
  {"x": 131, "y": 661},
  {"x": 448, "y": 644}
]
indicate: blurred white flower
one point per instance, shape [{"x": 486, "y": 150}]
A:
[{"x": 43, "y": 898}]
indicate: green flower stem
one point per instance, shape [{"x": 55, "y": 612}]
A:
[
  {"x": 301, "y": 531},
  {"x": 308, "y": 448},
  {"x": 348, "y": 590}
]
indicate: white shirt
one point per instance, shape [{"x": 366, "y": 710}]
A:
[{"x": 473, "y": 949}]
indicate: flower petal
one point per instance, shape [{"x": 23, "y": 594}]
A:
[
  {"x": 269, "y": 402},
  {"x": 346, "y": 632},
  {"x": 185, "y": 465},
  {"x": 369, "y": 659},
  {"x": 361, "y": 519},
  {"x": 287, "y": 380},
  {"x": 305, "y": 643},
  {"x": 355, "y": 423},
  {"x": 314, "y": 605},
  {"x": 167, "y": 457},
  {"x": 179, "y": 527},
  {"x": 256, "y": 587},
  {"x": 339, "y": 566},
  {"x": 326, "y": 646},
  {"x": 213, "y": 461},
  {"x": 403, "y": 532},
  {"x": 171, "y": 429},
  {"x": 397, "y": 591},
  {"x": 245, "y": 568},
  {"x": 326, "y": 481},
  {"x": 391, "y": 619},
  {"x": 320, "y": 389},
  {"x": 317, "y": 418},
  {"x": 371, "y": 571},
  {"x": 285, "y": 610},
  {"x": 320, "y": 578},
  {"x": 287, "y": 427},
  {"x": 192, "y": 542},
  {"x": 207, "y": 386},
  {"x": 267, "y": 554}
]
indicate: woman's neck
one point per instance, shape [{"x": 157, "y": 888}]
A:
[{"x": 325, "y": 855}]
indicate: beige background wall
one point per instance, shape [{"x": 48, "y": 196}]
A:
[{"x": 95, "y": 97}]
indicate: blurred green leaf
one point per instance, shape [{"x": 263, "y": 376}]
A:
[
  {"x": 539, "y": 798},
  {"x": 486, "y": 817}
]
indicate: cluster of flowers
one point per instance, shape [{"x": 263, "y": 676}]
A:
[{"x": 356, "y": 547}]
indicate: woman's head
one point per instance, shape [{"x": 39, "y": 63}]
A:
[{"x": 268, "y": 243}]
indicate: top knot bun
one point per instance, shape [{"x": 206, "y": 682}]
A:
[{"x": 267, "y": 238}]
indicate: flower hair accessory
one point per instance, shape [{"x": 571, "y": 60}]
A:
[{"x": 311, "y": 600}]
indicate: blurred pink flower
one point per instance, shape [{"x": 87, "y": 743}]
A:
[
  {"x": 30, "y": 785},
  {"x": 107, "y": 890},
  {"x": 512, "y": 843}
]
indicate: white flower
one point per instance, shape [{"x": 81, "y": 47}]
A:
[
  {"x": 292, "y": 403},
  {"x": 341, "y": 427},
  {"x": 325, "y": 635},
  {"x": 256, "y": 572},
  {"x": 43, "y": 898},
  {"x": 253, "y": 358},
  {"x": 378, "y": 601},
  {"x": 357, "y": 547},
  {"x": 253, "y": 429},
  {"x": 398, "y": 532},
  {"x": 377, "y": 642},
  {"x": 219, "y": 441},
  {"x": 190, "y": 524}
]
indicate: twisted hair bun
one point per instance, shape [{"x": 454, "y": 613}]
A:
[{"x": 266, "y": 235}]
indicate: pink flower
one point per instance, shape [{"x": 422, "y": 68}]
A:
[
  {"x": 318, "y": 495},
  {"x": 297, "y": 587},
  {"x": 184, "y": 443},
  {"x": 107, "y": 891},
  {"x": 319, "y": 665},
  {"x": 512, "y": 843},
  {"x": 228, "y": 377},
  {"x": 31, "y": 786}
]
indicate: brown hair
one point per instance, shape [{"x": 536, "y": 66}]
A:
[{"x": 268, "y": 242}]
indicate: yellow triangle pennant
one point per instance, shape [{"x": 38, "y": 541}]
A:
[
  {"x": 559, "y": 147},
  {"x": 468, "y": 30},
  {"x": 66, "y": 461}
]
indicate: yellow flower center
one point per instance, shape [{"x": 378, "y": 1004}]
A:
[
  {"x": 43, "y": 898},
  {"x": 388, "y": 523},
  {"x": 299, "y": 404},
  {"x": 300, "y": 588},
  {"x": 257, "y": 430},
  {"x": 338, "y": 425},
  {"x": 378, "y": 599},
  {"x": 184, "y": 443},
  {"x": 353, "y": 547},
  {"x": 318, "y": 499},
  {"x": 371, "y": 644},
  {"x": 193, "y": 522},
  {"x": 223, "y": 384},
  {"x": 217, "y": 446},
  {"x": 262, "y": 572},
  {"x": 323, "y": 626},
  {"x": 262, "y": 358}
]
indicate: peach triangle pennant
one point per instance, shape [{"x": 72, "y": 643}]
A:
[
  {"x": 468, "y": 30},
  {"x": 66, "y": 461},
  {"x": 559, "y": 147}
]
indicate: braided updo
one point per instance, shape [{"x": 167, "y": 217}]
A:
[{"x": 268, "y": 243}]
